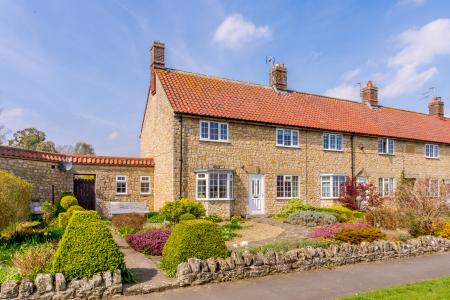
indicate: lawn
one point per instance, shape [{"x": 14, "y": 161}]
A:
[{"x": 435, "y": 289}]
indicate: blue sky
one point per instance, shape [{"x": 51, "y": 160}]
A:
[{"x": 79, "y": 70}]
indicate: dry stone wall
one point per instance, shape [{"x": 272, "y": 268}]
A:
[
  {"x": 100, "y": 286},
  {"x": 196, "y": 271}
]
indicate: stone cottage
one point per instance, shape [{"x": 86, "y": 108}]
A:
[{"x": 244, "y": 148}]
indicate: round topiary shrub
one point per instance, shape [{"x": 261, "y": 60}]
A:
[
  {"x": 68, "y": 201},
  {"x": 86, "y": 248},
  {"x": 186, "y": 217},
  {"x": 172, "y": 211},
  {"x": 73, "y": 209},
  {"x": 193, "y": 238},
  {"x": 15, "y": 194},
  {"x": 311, "y": 218}
]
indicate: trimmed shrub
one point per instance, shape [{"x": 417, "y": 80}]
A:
[
  {"x": 15, "y": 195},
  {"x": 73, "y": 209},
  {"x": 34, "y": 260},
  {"x": 151, "y": 242},
  {"x": 359, "y": 235},
  {"x": 186, "y": 217},
  {"x": 132, "y": 221},
  {"x": 172, "y": 211},
  {"x": 86, "y": 248},
  {"x": 193, "y": 238},
  {"x": 63, "y": 219},
  {"x": 343, "y": 214},
  {"x": 58, "y": 208},
  {"x": 236, "y": 219},
  {"x": 215, "y": 218},
  {"x": 328, "y": 232},
  {"x": 311, "y": 218},
  {"x": 68, "y": 201}
]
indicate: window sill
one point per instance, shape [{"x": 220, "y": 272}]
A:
[
  {"x": 286, "y": 198},
  {"x": 288, "y": 147},
  {"x": 214, "y": 141},
  {"x": 333, "y": 150},
  {"x": 329, "y": 198},
  {"x": 145, "y": 194},
  {"x": 121, "y": 194},
  {"x": 386, "y": 154},
  {"x": 204, "y": 200},
  {"x": 433, "y": 158}
]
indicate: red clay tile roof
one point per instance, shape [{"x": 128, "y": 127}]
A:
[
  {"x": 203, "y": 95},
  {"x": 76, "y": 159}
]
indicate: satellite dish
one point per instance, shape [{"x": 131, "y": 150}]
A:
[{"x": 65, "y": 166}]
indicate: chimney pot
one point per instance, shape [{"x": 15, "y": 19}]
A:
[
  {"x": 278, "y": 77},
  {"x": 369, "y": 94},
  {"x": 436, "y": 107},
  {"x": 157, "y": 61}
]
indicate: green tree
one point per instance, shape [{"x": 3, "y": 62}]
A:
[
  {"x": 83, "y": 149},
  {"x": 32, "y": 139}
]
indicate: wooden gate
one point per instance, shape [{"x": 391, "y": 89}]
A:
[{"x": 84, "y": 190}]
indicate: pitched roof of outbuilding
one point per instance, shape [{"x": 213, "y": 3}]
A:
[
  {"x": 76, "y": 159},
  {"x": 208, "y": 96}
]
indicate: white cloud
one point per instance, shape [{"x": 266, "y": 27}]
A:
[
  {"x": 235, "y": 31},
  {"x": 419, "y": 47},
  {"x": 113, "y": 136},
  {"x": 344, "y": 91},
  {"x": 350, "y": 75}
]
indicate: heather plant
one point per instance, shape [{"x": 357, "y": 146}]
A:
[
  {"x": 151, "y": 242},
  {"x": 311, "y": 218},
  {"x": 328, "y": 232}
]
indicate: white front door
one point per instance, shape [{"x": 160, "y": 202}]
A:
[{"x": 256, "y": 194}]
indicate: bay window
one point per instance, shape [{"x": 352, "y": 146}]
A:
[{"x": 214, "y": 185}]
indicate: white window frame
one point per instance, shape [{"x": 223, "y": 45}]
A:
[
  {"x": 432, "y": 151},
  {"x": 381, "y": 188},
  {"x": 328, "y": 136},
  {"x": 125, "y": 180},
  {"x": 205, "y": 176},
  {"x": 386, "y": 142},
  {"x": 288, "y": 178},
  {"x": 331, "y": 191},
  {"x": 220, "y": 126},
  {"x": 292, "y": 143},
  {"x": 141, "y": 181},
  {"x": 430, "y": 192}
]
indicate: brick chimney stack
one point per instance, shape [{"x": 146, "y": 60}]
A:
[
  {"x": 369, "y": 94},
  {"x": 157, "y": 61},
  {"x": 278, "y": 77},
  {"x": 436, "y": 107}
]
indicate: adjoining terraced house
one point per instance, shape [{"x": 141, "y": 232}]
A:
[{"x": 244, "y": 148}]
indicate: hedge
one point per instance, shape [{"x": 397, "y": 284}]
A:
[
  {"x": 86, "y": 248},
  {"x": 15, "y": 195},
  {"x": 192, "y": 238}
]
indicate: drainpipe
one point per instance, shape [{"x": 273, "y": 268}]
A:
[{"x": 181, "y": 156}]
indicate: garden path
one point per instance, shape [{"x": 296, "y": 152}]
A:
[{"x": 149, "y": 278}]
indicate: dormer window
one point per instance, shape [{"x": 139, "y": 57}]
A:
[
  {"x": 213, "y": 131},
  {"x": 386, "y": 146},
  {"x": 287, "y": 138}
]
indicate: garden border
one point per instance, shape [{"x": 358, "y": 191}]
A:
[{"x": 248, "y": 265}]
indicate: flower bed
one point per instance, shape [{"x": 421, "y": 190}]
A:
[
  {"x": 151, "y": 242},
  {"x": 327, "y": 232}
]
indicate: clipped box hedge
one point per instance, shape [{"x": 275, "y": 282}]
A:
[
  {"x": 192, "y": 238},
  {"x": 87, "y": 247}
]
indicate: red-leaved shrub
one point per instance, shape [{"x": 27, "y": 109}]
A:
[
  {"x": 151, "y": 242},
  {"x": 328, "y": 232}
]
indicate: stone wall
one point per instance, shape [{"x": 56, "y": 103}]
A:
[
  {"x": 157, "y": 141},
  {"x": 100, "y": 286},
  {"x": 49, "y": 182},
  {"x": 252, "y": 149},
  {"x": 195, "y": 271}
]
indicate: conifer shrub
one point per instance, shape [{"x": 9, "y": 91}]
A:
[
  {"x": 172, "y": 211},
  {"x": 192, "y": 238},
  {"x": 86, "y": 248},
  {"x": 186, "y": 217},
  {"x": 68, "y": 201},
  {"x": 359, "y": 235}
]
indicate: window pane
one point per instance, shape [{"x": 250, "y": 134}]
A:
[
  {"x": 230, "y": 186},
  {"x": 279, "y": 136},
  {"x": 224, "y": 132},
  {"x": 204, "y": 130},
  {"x": 295, "y": 193},
  {"x": 213, "y": 185},
  {"x": 287, "y": 137},
  {"x": 287, "y": 186},
  {"x": 332, "y": 141},
  {"x": 280, "y": 185},
  {"x": 223, "y": 178},
  {"x": 326, "y": 186},
  {"x": 380, "y": 146},
  {"x": 201, "y": 186},
  {"x": 338, "y": 142},
  {"x": 391, "y": 146},
  {"x": 295, "y": 138},
  {"x": 214, "y": 131},
  {"x": 325, "y": 141}
]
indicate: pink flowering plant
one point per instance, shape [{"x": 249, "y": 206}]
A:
[
  {"x": 328, "y": 232},
  {"x": 151, "y": 242}
]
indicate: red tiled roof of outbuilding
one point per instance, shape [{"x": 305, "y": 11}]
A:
[
  {"x": 208, "y": 96},
  {"x": 76, "y": 159}
]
